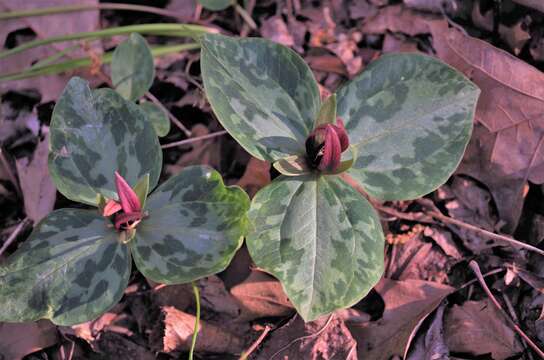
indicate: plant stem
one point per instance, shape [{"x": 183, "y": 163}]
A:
[
  {"x": 86, "y": 61},
  {"x": 177, "y": 30},
  {"x": 197, "y": 320},
  {"x": 247, "y": 18},
  {"x": 195, "y": 139},
  {"x": 74, "y": 8}
]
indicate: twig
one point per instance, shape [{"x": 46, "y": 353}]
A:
[
  {"x": 446, "y": 219},
  {"x": 245, "y": 15},
  {"x": 10, "y": 173},
  {"x": 13, "y": 235},
  {"x": 489, "y": 273},
  {"x": 516, "y": 319},
  {"x": 476, "y": 269},
  {"x": 195, "y": 139},
  {"x": 304, "y": 337},
  {"x": 257, "y": 342},
  {"x": 89, "y": 7},
  {"x": 171, "y": 116}
]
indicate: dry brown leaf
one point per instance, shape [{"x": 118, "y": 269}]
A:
[
  {"x": 90, "y": 329},
  {"x": 346, "y": 48},
  {"x": 418, "y": 259},
  {"x": 176, "y": 329},
  {"x": 256, "y": 176},
  {"x": 116, "y": 346},
  {"x": 393, "y": 43},
  {"x": 275, "y": 29},
  {"x": 38, "y": 189},
  {"x": 476, "y": 327},
  {"x": 511, "y": 107},
  {"x": 260, "y": 295},
  {"x": 21, "y": 339},
  {"x": 397, "y": 18},
  {"x": 468, "y": 202},
  {"x": 515, "y": 36},
  {"x": 51, "y": 86},
  {"x": 443, "y": 239},
  {"x": 204, "y": 152},
  {"x": 406, "y": 303},
  {"x": 431, "y": 345},
  {"x": 326, "y": 338},
  {"x": 214, "y": 296}
]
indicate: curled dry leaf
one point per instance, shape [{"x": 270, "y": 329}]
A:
[
  {"x": 176, "y": 331},
  {"x": 477, "y": 328},
  {"x": 406, "y": 304},
  {"x": 326, "y": 338},
  {"x": 430, "y": 344},
  {"x": 21, "y": 339},
  {"x": 38, "y": 189},
  {"x": 509, "y": 151},
  {"x": 260, "y": 295}
]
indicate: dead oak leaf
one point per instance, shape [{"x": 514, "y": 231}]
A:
[
  {"x": 325, "y": 338},
  {"x": 38, "y": 189},
  {"x": 260, "y": 295},
  {"x": 477, "y": 328},
  {"x": 511, "y": 108},
  {"x": 19, "y": 340},
  {"x": 406, "y": 304}
]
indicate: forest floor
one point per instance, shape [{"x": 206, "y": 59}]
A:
[{"x": 440, "y": 250}]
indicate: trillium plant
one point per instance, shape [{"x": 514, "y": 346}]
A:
[
  {"x": 399, "y": 129},
  {"x": 104, "y": 152}
]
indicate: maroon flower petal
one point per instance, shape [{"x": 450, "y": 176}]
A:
[
  {"x": 342, "y": 134},
  {"x": 127, "y": 197},
  {"x": 331, "y": 150},
  {"x": 111, "y": 208}
]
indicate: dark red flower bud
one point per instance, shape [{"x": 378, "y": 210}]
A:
[
  {"x": 127, "y": 197},
  {"x": 325, "y": 145}
]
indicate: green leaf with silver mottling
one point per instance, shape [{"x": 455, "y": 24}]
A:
[
  {"x": 71, "y": 270},
  {"x": 263, "y": 93},
  {"x": 409, "y": 118},
  {"x": 94, "y": 134},
  {"x": 216, "y": 5},
  {"x": 327, "y": 113},
  {"x": 157, "y": 117},
  {"x": 132, "y": 69},
  {"x": 320, "y": 238},
  {"x": 194, "y": 227}
]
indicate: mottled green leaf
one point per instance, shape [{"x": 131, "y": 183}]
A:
[
  {"x": 216, "y": 5},
  {"x": 132, "y": 69},
  {"x": 320, "y": 238},
  {"x": 409, "y": 117},
  {"x": 327, "y": 113},
  {"x": 92, "y": 135},
  {"x": 262, "y": 93},
  {"x": 71, "y": 270},
  {"x": 294, "y": 165},
  {"x": 194, "y": 227},
  {"x": 158, "y": 118}
]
